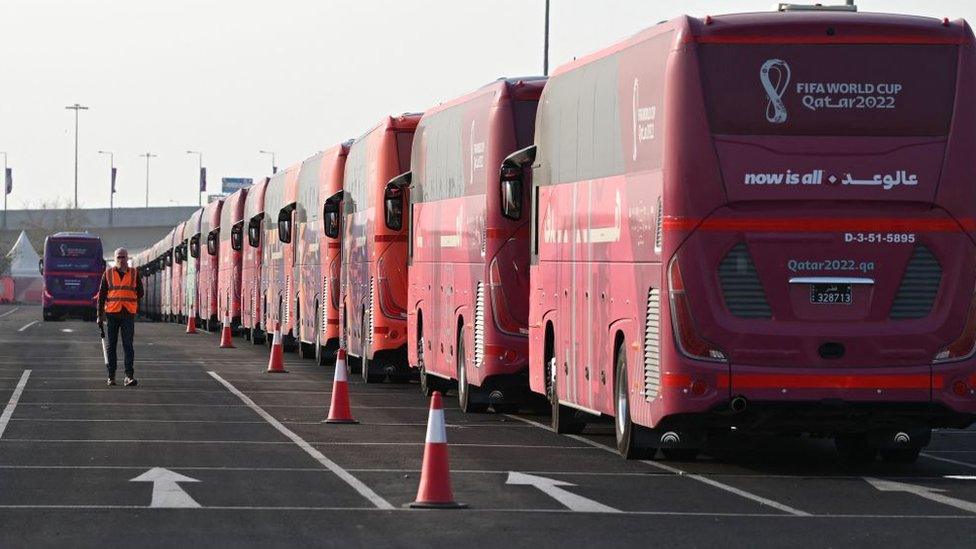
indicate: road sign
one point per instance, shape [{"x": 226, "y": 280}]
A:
[
  {"x": 166, "y": 492},
  {"x": 231, "y": 184},
  {"x": 550, "y": 487}
]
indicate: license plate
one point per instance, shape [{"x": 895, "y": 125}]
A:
[
  {"x": 72, "y": 283},
  {"x": 831, "y": 294}
]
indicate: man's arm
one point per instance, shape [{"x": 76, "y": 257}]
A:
[
  {"x": 138, "y": 284},
  {"x": 102, "y": 295}
]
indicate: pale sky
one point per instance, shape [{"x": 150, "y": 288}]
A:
[{"x": 294, "y": 76}]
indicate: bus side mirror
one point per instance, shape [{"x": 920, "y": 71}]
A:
[
  {"x": 511, "y": 188},
  {"x": 393, "y": 206},
  {"x": 284, "y": 225},
  {"x": 40, "y": 265},
  {"x": 330, "y": 216},
  {"x": 195, "y": 246},
  {"x": 169, "y": 259},
  {"x": 237, "y": 236},
  {"x": 254, "y": 232},
  {"x": 212, "y": 243}
]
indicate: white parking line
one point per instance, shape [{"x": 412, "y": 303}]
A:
[
  {"x": 10, "y": 312},
  {"x": 947, "y": 460},
  {"x": 8, "y": 411},
  {"x": 28, "y": 325},
  {"x": 714, "y": 483},
  {"x": 352, "y": 481}
]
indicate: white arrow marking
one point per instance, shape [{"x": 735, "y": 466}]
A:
[
  {"x": 550, "y": 487},
  {"x": 922, "y": 492},
  {"x": 166, "y": 493},
  {"x": 961, "y": 477}
]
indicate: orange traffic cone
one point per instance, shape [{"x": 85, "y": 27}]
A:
[
  {"x": 435, "y": 475},
  {"x": 226, "y": 337},
  {"x": 339, "y": 411},
  {"x": 276, "y": 365},
  {"x": 191, "y": 324}
]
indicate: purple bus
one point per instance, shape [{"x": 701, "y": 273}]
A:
[{"x": 72, "y": 267}]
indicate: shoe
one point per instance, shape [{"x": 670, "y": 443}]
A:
[
  {"x": 111, "y": 381},
  {"x": 130, "y": 382}
]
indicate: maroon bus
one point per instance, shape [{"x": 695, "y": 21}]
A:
[
  {"x": 278, "y": 257},
  {"x": 176, "y": 275},
  {"x": 207, "y": 277},
  {"x": 760, "y": 222},
  {"x": 374, "y": 250},
  {"x": 467, "y": 313},
  {"x": 251, "y": 262},
  {"x": 230, "y": 245},
  {"x": 317, "y": 257}
]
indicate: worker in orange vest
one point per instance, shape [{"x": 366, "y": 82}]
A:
[{"x": 118, "y": 301}]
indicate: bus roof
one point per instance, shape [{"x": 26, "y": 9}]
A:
[
  {"x": 798, "y": 27},
  {"x": 531, "y": 86}
]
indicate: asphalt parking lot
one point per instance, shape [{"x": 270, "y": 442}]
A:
[{"x": 241, "y": 457}]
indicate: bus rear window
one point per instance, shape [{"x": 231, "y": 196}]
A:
[{"x": 866, "y": 90}]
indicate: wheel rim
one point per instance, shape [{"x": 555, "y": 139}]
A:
[
  {"x": 622, "y": 412},
  {"x": 420, "y": 365},
  {"x": 462, "y": 375}
]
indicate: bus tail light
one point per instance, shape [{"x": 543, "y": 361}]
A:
[
  {"x": 499, "y": 304},
  {"x": 689, "y": 342},
  {"x": 965, "y": 345}
]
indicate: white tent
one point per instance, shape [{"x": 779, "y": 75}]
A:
[{"x": 23, "y": 258}]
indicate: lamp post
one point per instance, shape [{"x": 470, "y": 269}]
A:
[
  {"x": 147, "y": 156},
  {"x": 6, "y": 190},
  {"x": 76, "y": 107},
  {"x": 545, "y": 45},
  {"x": 202, "y": 188},
  {"x": 274, "y": 165},
  {"x": 111, "y": 190}
]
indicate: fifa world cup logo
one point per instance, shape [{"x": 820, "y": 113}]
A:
[{"x": 775, "y": 76}]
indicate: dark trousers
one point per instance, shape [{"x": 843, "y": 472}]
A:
[{"x": 125, "y": 323}]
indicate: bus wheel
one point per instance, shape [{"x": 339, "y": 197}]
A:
[
  {"x": 855, "y": 448},
  {"x": 426, "y": 381},
  {"x": 900, "y": 455},
  {"x": 466, "y": 397},
  {"x": 368, "y": 377},
  {"x": 319, "y": 351},
  {"x": 565, "y": 420},
  {"x": 633, "y": 441},
  {"x": 256, "y": 337}
]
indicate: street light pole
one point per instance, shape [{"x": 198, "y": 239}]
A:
[
  {"x": 199, "y": 175},
  {"x": 545, "y": 46},
  {"x": 4, "y": 153},
  {"x": 76, "y": 107},
  {"x": 274, "y": 165},
  {"x": 147, "y": 156},
  {"x": 111, "y": 184}
]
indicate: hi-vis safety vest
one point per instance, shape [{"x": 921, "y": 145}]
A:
[{"x": 121, "y": 291}]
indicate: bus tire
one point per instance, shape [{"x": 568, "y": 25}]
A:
[
  {"x": 467, "y": 394},
  {"x": 368, "y": 376},
  {"x": 565, "y": 420},
  {"x": 633, "y": 441},
  {"x": 427, "y": 383}
]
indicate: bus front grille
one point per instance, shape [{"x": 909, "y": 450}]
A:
[
  {"x": 919, "y": 286},
  {"x": 741, "y": 287}
]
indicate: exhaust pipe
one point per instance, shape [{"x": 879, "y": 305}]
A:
[{"x": 739, "y": 404}]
